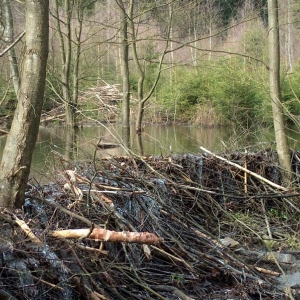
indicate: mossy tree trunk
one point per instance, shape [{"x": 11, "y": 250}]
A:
[{"x": 17, "y": 153}]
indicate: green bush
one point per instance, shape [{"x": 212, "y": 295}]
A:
[
  {"x": 291, "y": 91},
  {"x": 233, "y": 93}
]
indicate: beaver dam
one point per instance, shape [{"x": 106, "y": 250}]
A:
[{"x": 178, "y": 227}]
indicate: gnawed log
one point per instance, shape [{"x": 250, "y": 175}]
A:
[{"x": 99, "y": 234}]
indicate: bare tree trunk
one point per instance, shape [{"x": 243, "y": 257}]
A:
[
  {"x": 66, "y": 56},
  {"x": 289, "y": 52},
  {"x": 125, "y": 73},
  {"x": 142, "y": 99},
  {"x": 78, "y": 33},
  {"x": 8, "y": 37},
  {"x": 277, "y": 108},
  {"x": 140, "y": 71},
  {"x": 17, "y": 154}
]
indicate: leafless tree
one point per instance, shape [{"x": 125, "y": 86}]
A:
[
  {"x": 275, "y": 93},
  {"x": 17, "y": 154}
]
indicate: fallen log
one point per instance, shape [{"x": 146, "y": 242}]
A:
[{"x": 99, "y": 234}]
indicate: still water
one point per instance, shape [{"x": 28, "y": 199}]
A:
[{"x": 55, "y": 143}]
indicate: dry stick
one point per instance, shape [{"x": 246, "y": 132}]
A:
[
  {"x": 15, "y": 40},
  {"x": 173, "y": 290},
  {"x": 246, "y": 170},
  {"x": 99, "y": 289},
  {"x": 47, "y": 283},
  {"x": 35, "y": 240},
  {"x": 66, "y": 211},
  {"x": 246, "y": 174},
  {"x": 3, "y": 131},
  {"x": 218, "y": 245},
  {"x": 24, "y": 227},
  {"x": 266, "y": 218},
  {"x": 266, "y": 271},
  {"x": 145, "y": 286}
]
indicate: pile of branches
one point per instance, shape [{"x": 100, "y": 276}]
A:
[
  {"x": 145, "y": 228},
  {"x": 105, "y": 99}
]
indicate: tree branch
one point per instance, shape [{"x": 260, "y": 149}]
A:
[{"x": 12, "y": 43}]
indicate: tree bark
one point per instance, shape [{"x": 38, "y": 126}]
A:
[
  {"x": 288, "y": 37},
  {"x": 8, "y": 37},
  {"x": 66, "y": 57},
  {"x": 125, "y": 73},
  {"x": 77, "y": 53},
  {"x": 275, "y": 92},
  {"x": 17, "y": 153},
  {"x": 142, "y": 98}
]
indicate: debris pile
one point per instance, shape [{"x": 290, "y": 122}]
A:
[
  {"x": 100, "y": 101},
  {"x": 105, "y": 100},
  {"x": 181, "y": 227}
]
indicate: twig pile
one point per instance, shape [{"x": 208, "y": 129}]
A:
[
  {"x": 188, "y": 204},
  {"x": 104, "y": 98}
]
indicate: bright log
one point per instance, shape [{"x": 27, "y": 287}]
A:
[{"x": 100, "y": 234}]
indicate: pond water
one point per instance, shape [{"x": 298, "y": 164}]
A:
[{"x": 54, "y": 142}]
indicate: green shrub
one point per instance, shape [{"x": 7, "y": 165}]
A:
[
  {"x": 291, "y": 91},
  {"x": 224, "y": 89}
]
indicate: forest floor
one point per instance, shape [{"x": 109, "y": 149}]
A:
[{"x": 177, "y": 227}]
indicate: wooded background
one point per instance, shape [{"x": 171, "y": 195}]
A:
[{"x": 214, "y": 65}]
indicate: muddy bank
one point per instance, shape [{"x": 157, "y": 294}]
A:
[{"x": 153, "y": 228}]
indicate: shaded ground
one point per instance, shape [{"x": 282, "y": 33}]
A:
[{"x": 194, "y": 203}]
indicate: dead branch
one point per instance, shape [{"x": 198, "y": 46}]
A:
[
  {"x": 64, "y": 210},
  {"x": 173, "y": 290},
  {"x": 246, "y": 170},
  {"x": 25, "y": 228},
  {"x": 3, "y": 132},
  {"x": 100, "y": 234},
  {"x": 12, "y": 43}
]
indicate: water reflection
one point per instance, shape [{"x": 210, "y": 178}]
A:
[{"x": 54, "y": 142}]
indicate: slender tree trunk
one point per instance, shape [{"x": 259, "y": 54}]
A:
[
  {"x": 125, "y": 73},
  {"x": 66, "y": 56},
  {"x": 277, "y": 108},
  {"x": 17, "y": 153},
  {"x": 289, "y": 54},
  {"x": 140, "y": 71},
  {"x": 69, "y": 108},
  {"x": 8, "y": 37},
  {"x": 78, "y": 33},
  {"x": 142, "y": 99}
]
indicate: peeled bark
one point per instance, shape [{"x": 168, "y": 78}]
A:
[
  {"x": 17, "y": 153},
  {"x": 108, "y": 235}
]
